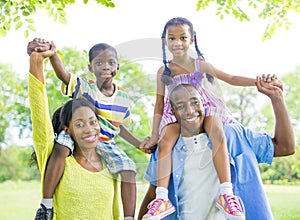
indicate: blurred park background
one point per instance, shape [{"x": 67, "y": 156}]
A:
[{"x": 240, "y": 52}]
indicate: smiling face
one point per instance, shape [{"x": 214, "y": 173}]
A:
[
  {"x": 84, "y": 128},
  {"x": 178, "y": 39},
  {"x": 104, "y": 65},
  {"x": 188, "y": 109}
]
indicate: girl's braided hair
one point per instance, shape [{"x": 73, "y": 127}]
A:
[{"x": 166, "y": 77}]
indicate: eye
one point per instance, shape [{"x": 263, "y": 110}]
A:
[
  {"x": 171, "y": 38},
  {"x": 79, "y": 124},
  {"x": 196, "y": 102},
  {"x": 99, "y": 63},
  {"x": 111, "y": 63},
  {"x": 180, "y": 107},
  {"x": 93, "y": 122},
  {"x": 183, "y": 38}
]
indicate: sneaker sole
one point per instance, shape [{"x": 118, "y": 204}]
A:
[
  {"x": 228, "y": 216},
  {"x": 162, "y": 215}
]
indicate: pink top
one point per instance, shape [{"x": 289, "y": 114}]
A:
[{"x": 212, "y": 104}]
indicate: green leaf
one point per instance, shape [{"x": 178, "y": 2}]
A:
[
  {"x": 26, "y": 33},
  {"x": 62, "y": 19},
  {"x": 18, "y": 25},
  {"x": 16, "y": 18},
  {"x": 50, "y": 12},
  {"x": 2, "y": 32},
  {"x": 29, "y": 20},
  {"x": 32, "y": 28},
  {"x": 111, "y": 5}
]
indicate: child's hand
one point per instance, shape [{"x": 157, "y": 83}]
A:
[
  {"x": 146, "y": 147},
  {"x": 38, "y": 45},
  {"x": 268, "y": 77},
  {"x": 271, "y": 80},
  {"x": 43, "y": 54}
]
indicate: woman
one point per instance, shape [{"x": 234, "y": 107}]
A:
[{"x": 87, "y": 190}]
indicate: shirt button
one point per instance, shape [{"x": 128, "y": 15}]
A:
[
  {"x": 177, "y": 176},
  {"x": 181, "y": 159}
]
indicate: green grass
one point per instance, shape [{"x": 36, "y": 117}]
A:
[
  {"x": 19, "y": 200},
  {"x": 285, "y": 201}
]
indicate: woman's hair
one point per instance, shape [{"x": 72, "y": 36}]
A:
[
  {"x": 178, "y": 21},
  {"x": 63, "y": 115},
  {"x": 98, "y": 47}
]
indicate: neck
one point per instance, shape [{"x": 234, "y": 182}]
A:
[
  {"x": 86, "y": 154},
  {"x": 106, "y": 88},
  {"x": 191, "y": 132}
]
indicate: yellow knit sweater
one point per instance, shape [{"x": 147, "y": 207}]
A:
[{"x": 81, "y": 194}]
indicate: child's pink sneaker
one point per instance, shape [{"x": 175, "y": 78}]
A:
[
  {"x": 232, "y": 206},
  {"x": 158, "y": 209}
]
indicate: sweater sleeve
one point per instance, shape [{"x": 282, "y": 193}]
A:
[{"x": 42, "y": 130}]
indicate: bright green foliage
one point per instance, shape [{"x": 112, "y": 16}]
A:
[
  {"x": 15, "y": 164},
  {"x": 275, "y": 11},
  {"x": 18, "y": 13},
  {"x": 13, "y": 108}
]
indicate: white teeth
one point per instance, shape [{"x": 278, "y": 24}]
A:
[
  {"x": 192, "y": 119},
  {"x": 90, "y": 138}
]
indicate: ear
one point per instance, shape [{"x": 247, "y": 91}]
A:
[
  {"x": 192, "y": 40},
  {"x": 90, "y": 68},
  {"x": 118, "y": 66},
  {"x": 66, "y": 130}
]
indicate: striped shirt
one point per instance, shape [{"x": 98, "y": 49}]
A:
[{"x": 113, "y": 110}]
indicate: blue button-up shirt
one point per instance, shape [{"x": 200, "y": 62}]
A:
[{"x": 246, "y": 149}]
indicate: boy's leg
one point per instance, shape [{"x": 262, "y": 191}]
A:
[
  {"x": 150, "y": 195},
  {"x": 53, "y": 173},
  {"x": 55, "y": 168},
  {"x": 128, "y": 192}
]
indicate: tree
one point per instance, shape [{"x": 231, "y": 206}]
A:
[
  {"x": 275, "y": 11},
  {"x": 14, "y": 111},
  {"x": 15, "y": 13}
]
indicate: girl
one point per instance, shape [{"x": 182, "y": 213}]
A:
[
  {"x": 178, "y": 35},
  {"x": 85, "y": 173}
]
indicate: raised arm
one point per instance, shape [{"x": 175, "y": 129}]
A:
[
  {"x": 37, "y": 63},
  {"x": 230, "y": 79},
  {"x": 283, "y": 140},
  {"x": 59, "y": 69}
]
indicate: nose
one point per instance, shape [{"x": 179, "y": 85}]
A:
[
  {"x": 189, "y": 109},
  {"x": 178, "y": 42},
  {"x": 88, "y": 128}
]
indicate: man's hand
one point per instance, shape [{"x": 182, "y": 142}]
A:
[
  {"x": 271, "y": 89},
  {"x": 38, "y": 45}
]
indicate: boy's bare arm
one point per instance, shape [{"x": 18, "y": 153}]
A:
[{"x": 59, "y": 69}]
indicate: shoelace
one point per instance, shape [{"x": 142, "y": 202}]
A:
[
  {"x": 233, "y": 204},
  {"x": 153, "y": 206}
]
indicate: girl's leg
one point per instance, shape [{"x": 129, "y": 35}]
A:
[
  {"x": 214, "y": 128},
  {"x": 227, "y": 202},
  {"x": 170, "y": 134},
  {"x": 128, "y": 193},
  {"x": 161, "y": 206}
]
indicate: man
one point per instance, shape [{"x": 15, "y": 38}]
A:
[{"x": 193, "y": 184}]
